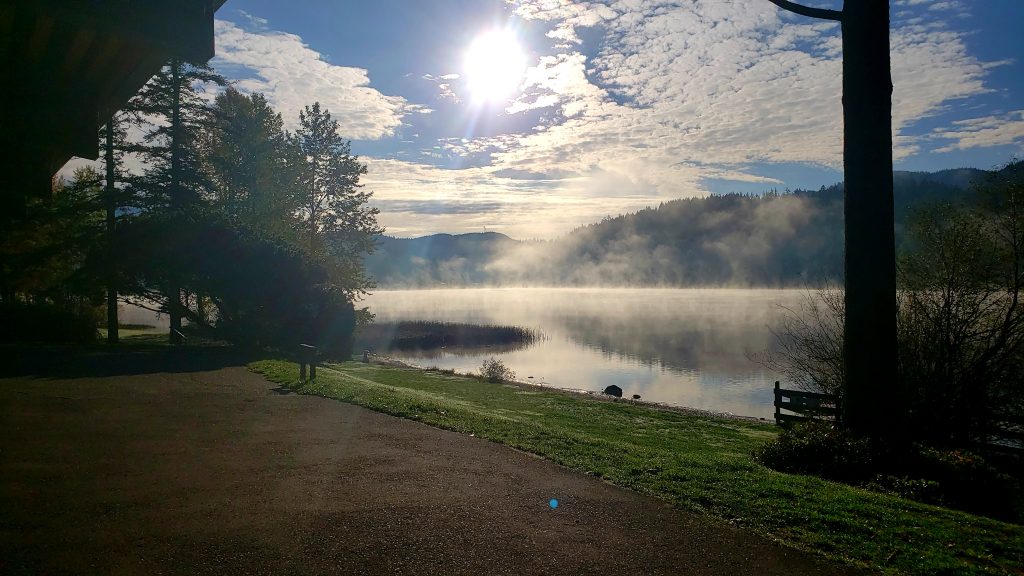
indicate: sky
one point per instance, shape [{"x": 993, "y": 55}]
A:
[{"x": 534, "y": 117}]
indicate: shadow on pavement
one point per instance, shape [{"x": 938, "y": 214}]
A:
[{"x": 53, "y": 361}]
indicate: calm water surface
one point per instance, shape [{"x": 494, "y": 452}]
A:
[{"x": 685, "y": 347}]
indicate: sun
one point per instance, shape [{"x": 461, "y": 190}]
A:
[{"x": 494, "y": 65}]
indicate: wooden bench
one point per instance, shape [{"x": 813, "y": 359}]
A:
[{"x": 803, "y": 406}]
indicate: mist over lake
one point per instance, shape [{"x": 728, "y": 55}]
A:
[{"x": 688, "y": 347}]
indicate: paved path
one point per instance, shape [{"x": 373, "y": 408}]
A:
[{"x": 218, "y": 472}]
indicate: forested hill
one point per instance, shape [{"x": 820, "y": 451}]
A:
[{"x": 775, "y": 239}]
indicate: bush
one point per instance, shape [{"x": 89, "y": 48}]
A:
[
  {"x": 954, "y": 478},
  {"x": 969, "y": 482},
  {"x": 960, "y": 323},
  {"x": 265, "y": 293},
  {"x": 495, "y": 371},
  {"x": 46, "y": 323},
  {"x": 821, "y": 449}
]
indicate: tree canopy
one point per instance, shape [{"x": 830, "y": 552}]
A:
[{"x": 225, "y": 221}]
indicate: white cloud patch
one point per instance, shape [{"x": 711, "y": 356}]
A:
[
  {"x": 674, "y": 94},
  {"x": 985, "y": 132},
  {"x": 444, "y": 86},
  {"x": 418, "y": 199},
  {"x": 293, "y": 75},
  {"x": 683, "y": 92}
]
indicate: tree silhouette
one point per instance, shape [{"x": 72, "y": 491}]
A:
[
  {"x": 874, "y": 404},
  {"x": 330, "y": 176},
  {"x": 114, "y": 143},
  {"x": 176, "y": 179}
]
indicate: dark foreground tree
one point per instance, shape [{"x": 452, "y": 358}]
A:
[
  {"x": 875, "y": 404},
  {"x": 176, "y": 180},
  {"x": 114, "y": 143},
  {"x": 264, "y": 292},
  {"x": 44, "y": 255}
]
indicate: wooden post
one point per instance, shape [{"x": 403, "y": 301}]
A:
[{"x": 307, "y": 355}]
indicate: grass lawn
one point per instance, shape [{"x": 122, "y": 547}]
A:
[
  {"x": 137, "y": 335},
  {"x": 697, "y": 462}
]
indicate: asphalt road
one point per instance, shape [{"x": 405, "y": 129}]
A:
[{"x": 189, "y": 468}]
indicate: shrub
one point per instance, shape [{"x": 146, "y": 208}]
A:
[
  {"x": 495, "y": 371},
  {"x": 960, "y": 323},
  {"x": 265, "y": 293},
  {"x": 954, "y": 478},
  {"x": 821, "y": 449},
  {"x": 46, "y": 323},
  {"x": 969, "y": 482}
]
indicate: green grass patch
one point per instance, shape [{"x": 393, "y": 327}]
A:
[
  {"x": 699, "y": 463},
  {"x": 138, "y": 333}
]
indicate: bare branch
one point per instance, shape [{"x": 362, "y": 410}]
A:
[{"x": 808, "y": 11}]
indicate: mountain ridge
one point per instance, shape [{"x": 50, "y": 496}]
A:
[{"x": 774, "y": 239}]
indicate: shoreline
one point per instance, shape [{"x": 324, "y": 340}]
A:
[{"x": 579, "y": 392}]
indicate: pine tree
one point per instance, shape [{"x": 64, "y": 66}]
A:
[
  {"x": 254, "y": 164},
  {"x": 176, "y": 182},
  {"x": 337, "y": 220},
  {"x": 114, "y": 143}
]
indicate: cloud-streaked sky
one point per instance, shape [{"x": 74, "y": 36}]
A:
[{"x": 622, "y": 104}]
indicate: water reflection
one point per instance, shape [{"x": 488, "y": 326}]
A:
[{"x": 685, "y": 347}]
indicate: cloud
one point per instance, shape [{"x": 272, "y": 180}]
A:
[
  {"x": 444, "y": 86},
  {"x": 985, "y": 132},
  {"x": 410, "y": 195},
  {"x": 672, "y": 96},
  {"x": 293, "y": 75},
  {"x": 254, "y": 21},
  {"x": 438, "y": 206},
  {"x": 682, "y": 92}
]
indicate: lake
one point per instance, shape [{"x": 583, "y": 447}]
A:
[{"x": 687, "y": 347}]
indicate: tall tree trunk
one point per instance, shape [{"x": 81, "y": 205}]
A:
[
  {"x": 111, "y": 205},
  {"x": 874, "y": 402},
  {"x": 174, "y": 291}
]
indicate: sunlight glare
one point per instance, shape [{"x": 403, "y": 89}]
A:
[{"x": 494, "y": 65}]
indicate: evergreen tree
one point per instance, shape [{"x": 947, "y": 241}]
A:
[
  {"x": 46, "y": 249},
  {"x": 336, "y": 218},
  {"x": 176, "y": 180},
  {"x": 177, "y": 117},
  {"x": 254, "y": 164},
  {"x": 114, "y": 143}
]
